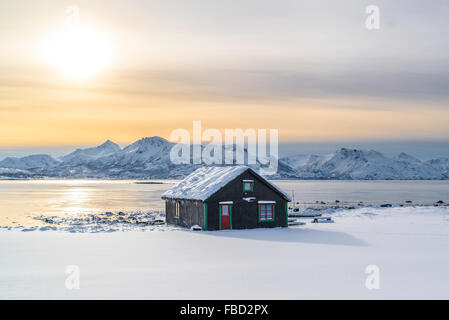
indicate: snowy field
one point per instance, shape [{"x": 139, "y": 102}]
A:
[{"x": 408, "y": 245}]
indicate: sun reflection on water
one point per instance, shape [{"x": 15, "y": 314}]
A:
[{"x": 75, "y": 199}]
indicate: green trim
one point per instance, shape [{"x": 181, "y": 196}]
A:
[
  {"x": 250, "y": 189},
  {"x": 266, "y": 204},
  {"x": 230, "y": 217},
  {"x": 205, "y": 216}
]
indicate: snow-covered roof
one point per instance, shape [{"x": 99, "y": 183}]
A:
[{"x": 205, "y": 181}]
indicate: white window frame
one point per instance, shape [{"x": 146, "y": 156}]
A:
[
  {"x": 264, "y": 204},
  {"x": 251, "y": 185}
]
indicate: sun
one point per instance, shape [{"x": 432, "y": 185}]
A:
[{"x": 79, "y": 53}]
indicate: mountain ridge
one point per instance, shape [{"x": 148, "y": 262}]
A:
[
  {"x": 149, "y": 158},
  {"x": 87, "y": 154}
]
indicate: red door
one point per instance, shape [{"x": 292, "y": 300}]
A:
[{"x": 225, "y": 213}]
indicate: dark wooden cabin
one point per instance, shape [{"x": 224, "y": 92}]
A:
[{"x": 228, "y": 197}]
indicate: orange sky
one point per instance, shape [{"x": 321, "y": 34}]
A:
[{"x": 170, "y": 67}]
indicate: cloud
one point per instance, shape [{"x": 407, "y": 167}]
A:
[
  {"x": 310, "y": 68},
  {"x": 266, "y": 85}
]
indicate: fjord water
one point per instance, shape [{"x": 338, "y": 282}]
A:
[{"x": 21, "y": 199}]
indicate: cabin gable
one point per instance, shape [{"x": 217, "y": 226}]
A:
[{"x": 245, "y": 208}]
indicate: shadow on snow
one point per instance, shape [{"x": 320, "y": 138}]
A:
[{"x": 291, "y": 235}]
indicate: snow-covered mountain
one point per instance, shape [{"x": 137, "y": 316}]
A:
[
  {"x": 80, "y": 156},
  {"x": 140, "y": 153},
  {"x": 363, "y": 165},
  {"x": 37, "y": 161},
  {"x": 149, "y": 158},
  {"x": 441, "y": 164}
]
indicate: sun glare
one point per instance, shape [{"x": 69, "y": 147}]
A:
[{"x": 79, "y": 53}]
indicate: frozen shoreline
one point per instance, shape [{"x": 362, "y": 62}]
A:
[
  {"x": 409, "y": 245},
  {"x": 21, "y": 201},
  {"x": 110, "y": 221}
]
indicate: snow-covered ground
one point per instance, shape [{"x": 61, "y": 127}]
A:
[{"x": 408, "y": 245}]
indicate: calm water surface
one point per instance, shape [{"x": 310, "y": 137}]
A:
[{"x": 22, "y": 198}]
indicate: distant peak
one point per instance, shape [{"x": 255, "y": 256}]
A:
[
  {"x": 109, "y": 144},
  {"x": 152, "y": 140},
  {"x": 405, "y": 156},
  {"x": 349, "y": 151},
  {"x": 357, "y": 153}
]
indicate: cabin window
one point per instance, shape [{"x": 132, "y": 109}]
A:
[
  {"x": 266, "y": 212},
  {"x": 225, "y": 210},
  {"x": 176, "y": 209},
  {"x": 248, "y": 185}
]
